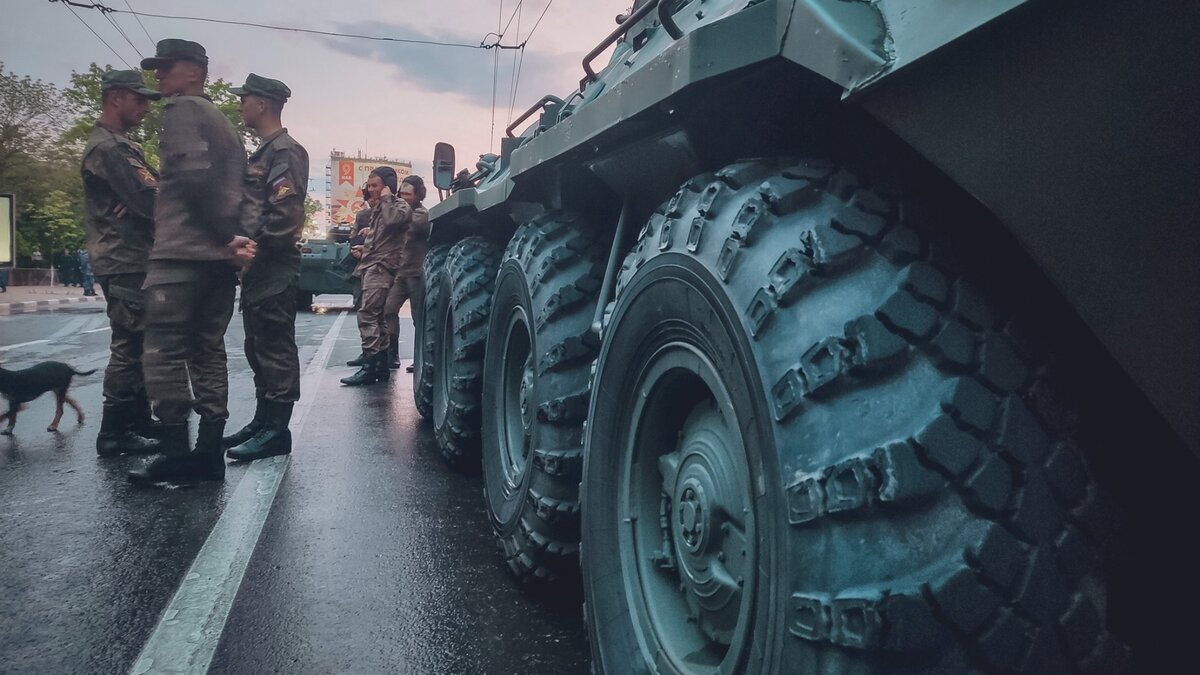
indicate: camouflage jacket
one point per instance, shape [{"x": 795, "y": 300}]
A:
[
  {"x": 416, "y": 243},
  {"x": 273, "y": 214},
  {"x": 385, "y": 243},
  {"x": 200, "y": 191},
  {"x": 119, "y": 189}
]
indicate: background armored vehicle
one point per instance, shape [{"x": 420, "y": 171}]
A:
[
  {"x": 325, "y": 266},
  {"x": 839, "y": 336}
]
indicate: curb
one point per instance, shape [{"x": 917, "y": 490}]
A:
[{"x": 38, "y": 305}]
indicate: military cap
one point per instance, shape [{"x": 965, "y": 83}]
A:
[
  {"x": 127, "y": 79},
  {"x": 174, "y": 49},
  {"x": 265, "y": 87}
]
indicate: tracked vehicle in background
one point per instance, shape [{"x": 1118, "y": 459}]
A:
[{"x": 839, "y": 336}]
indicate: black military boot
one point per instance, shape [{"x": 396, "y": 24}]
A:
[
  {"x": 247, "y": 432},
  {"x": 117, "y": 435},
  {"x": 273, "y": 438},
  {"x": 358, "y": 360},
  {"x": 206, "y": 462},
  {"x": 393, "y": 352},
  {"x": 368, "y": 373},
  {"x": 144, "y": 423},
  {"x": 382, "y": 373}
]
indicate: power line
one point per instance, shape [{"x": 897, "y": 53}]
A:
[
  {"x": 512, "y": 86},
  {"x": 114, "y": 25},
  {"x": 85, "y": 25},
  {"x": 535, "y": 26},
  {"x": 106, "y": 9},
  {"x": 139, "y": 20}
]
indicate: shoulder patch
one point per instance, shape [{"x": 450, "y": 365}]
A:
[
  {"x": 147, "y": 177},
  {"x": 282, "y": 188}
]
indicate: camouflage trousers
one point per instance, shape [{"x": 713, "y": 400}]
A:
[
  {"x": 270, "y": 326},
  {"x": 123, "y": 378},
  {"x": 372, "y": 323},
  {"x": 404, "y": 289},
  {"x": 185, "y": 344}
]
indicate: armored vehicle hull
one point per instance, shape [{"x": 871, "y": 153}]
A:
[{"x": 817, "y": 334}]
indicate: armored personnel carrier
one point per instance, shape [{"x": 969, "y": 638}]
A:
[{"x": 840, "y": 336}]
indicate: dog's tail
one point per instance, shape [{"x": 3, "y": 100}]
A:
[{"x": 83, "y": 372}]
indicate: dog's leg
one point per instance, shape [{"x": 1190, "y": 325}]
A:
[
  {"x": 58, "y": 411},
  {"x": 13, "y": 409},
  {"x": 78, "y": 411}
]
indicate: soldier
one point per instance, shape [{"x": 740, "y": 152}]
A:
[
  {"x": 380, "y": 261},
  {"x": 408, "y": 286},
  {"x": 358, "y": 239},
  {"x": 273, "y": 216},
  {"x": 198, "y": 247},
  {"x": 119, "y": 189}
]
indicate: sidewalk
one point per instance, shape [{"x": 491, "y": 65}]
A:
[{"x": 20, "y": 299}]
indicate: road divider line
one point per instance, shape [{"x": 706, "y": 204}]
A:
[
  {"x": 187, "y": 634},
  {"x": 22, "y": 344}
]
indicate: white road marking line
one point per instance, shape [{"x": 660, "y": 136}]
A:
[
  {"x": 72, "y": 327},
  {"x": 187, "y": 634},
  {"x": 97, "y": 330},
  {"x": 22, "y": 344}
]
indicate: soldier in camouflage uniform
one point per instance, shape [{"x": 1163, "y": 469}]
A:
[
  {"x": 408, "y": 286},
  {"x": 378, "y": 266},
  {"x": 273, "y": 216},
  {"x": 119, "y": 189},
  {"x": 190, "y": 282}
]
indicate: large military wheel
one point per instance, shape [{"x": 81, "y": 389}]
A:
[
  {"x": 465, "y": 302},
  {"x": 426, "y": 331},
  {"x": 812, "y": 447},
  {"x": 539, "y": 356}
]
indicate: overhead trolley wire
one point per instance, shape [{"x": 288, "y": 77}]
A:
[
  {"x": 93, "y": 31},
  {"x": 122, "y": 32},
  {"x": 106, "y": 9},
  {"x": 139, "y": 20}
]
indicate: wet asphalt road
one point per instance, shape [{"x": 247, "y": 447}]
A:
[{"x": 375, "y": 557}]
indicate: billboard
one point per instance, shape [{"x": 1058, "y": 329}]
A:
[
  {"x": 8, "y": 230},
  {"x": 346, "y": 177}
]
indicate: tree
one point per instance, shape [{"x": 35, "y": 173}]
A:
[
  {"x": 33, "y": 161},
  {"x": 311, "y": 208},
  {"x": 50, "y": 227},
  {"x": 31, "y": 119}
]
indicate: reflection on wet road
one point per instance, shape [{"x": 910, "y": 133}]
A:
[{"x": 374, "y": 558}]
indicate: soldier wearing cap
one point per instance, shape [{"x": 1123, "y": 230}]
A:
[
  {"x": 119, "y": 189},
  {"x": 191, "y": 277},
  {"x": 273, "y": 215}
]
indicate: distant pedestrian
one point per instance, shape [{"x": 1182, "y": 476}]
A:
[
  {"x": 3, "y": 279},
  {"x": 119, "y": 190},
  {"x": 192, "y": 274},
  {"x": 87, "y": 280},
  {"x": 408, "y": 286},
  {"x": 273, "y": 215}
]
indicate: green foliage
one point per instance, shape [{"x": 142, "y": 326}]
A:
[
  {"x": 34, "y": 162},
  {"x": 50, "y": 226},
  {"x": 311, "y": 208}
]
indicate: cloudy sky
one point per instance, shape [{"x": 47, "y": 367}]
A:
[{"x": 381, "y": 98}]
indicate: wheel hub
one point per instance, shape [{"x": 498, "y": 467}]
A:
[{"x": 706, "y": 531}]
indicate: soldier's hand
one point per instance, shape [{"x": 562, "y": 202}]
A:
[
  {"x": 385, "y": 191},
  {"x": 356, "y": 251},
  {"x": 241, "y": 251}
]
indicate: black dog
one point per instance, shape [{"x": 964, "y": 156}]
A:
[{"x": 22, "y": 386}]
